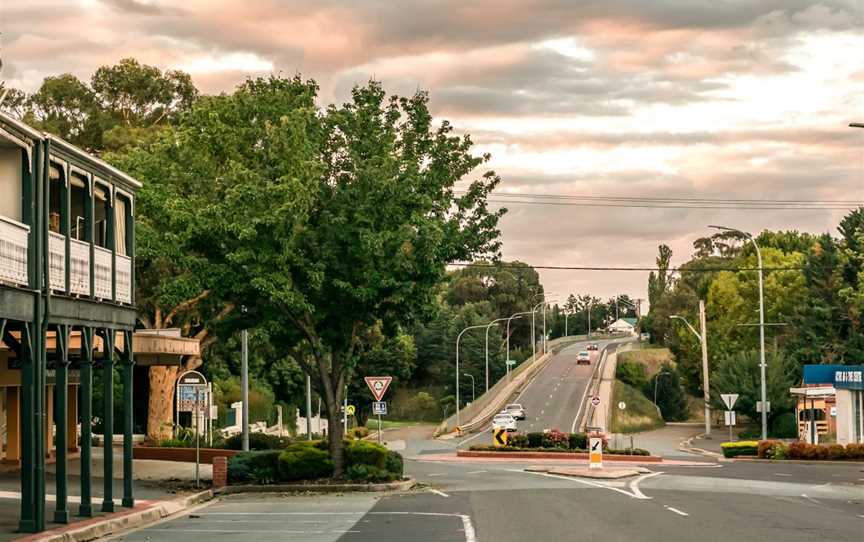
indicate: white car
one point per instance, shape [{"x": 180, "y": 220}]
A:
[
  {"x": 583, "y": 357},
  {"x": 515, "y": 410},
  {"x": 504, "y": 421}
]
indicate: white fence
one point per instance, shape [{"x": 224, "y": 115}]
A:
[{"x": 13, "y": 251}]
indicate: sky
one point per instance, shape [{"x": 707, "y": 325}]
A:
[{"x": 740, "y": 99}]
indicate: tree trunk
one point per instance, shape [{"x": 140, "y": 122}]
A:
[
  {"x": 335, "y": 434},
  {"x": 160, "y": 403}
]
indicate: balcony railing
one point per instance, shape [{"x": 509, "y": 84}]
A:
[
  {"x": 56, "y": 261},
  {"x": 102, "y": 269},
  {"x": 79, "y": 267},
  {"x": 124, "y": 279},
  {"x": 13, "y": 251}
]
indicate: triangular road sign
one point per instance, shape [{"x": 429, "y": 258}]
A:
[
  {"x": 378, "y": 385},
  {"x": 729, "y": 399}
]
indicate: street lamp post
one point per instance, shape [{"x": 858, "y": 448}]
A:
[
  {"x": 703, "y": 340},
  {"x": 458, "y": 338},
  {"x": 514, "y": 317},
  {"x": 761, "y": 329},
  {"x": 473, "y": 397},
  {"x": 488, "y": 327}
]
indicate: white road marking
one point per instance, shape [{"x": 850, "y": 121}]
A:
[
  {"x": 261, "y": 531},
  {"x": 861, "y": 516},
  {"x": 634, "y": 485},
  {"x": 679, "y": 512},
  {"x": 468, "y": 528},
  {"x": 811, "y": 499},
  {"x": 542, "y": 411},
  {"x": 438, "y": 474},
  {"x": 782, "y": 474},
  {"x": 439, "y": 493},
  {"x": 476, "y": 472},
  {"x": 581, "y": 481}
]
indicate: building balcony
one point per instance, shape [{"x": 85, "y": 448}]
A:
[
  {"x": 102, "y": 270},
  {"x": 13, "y": 251},
  {"x": 79, "y": 267},
  {"x": 57, "y": 261},
  {"x": 124, "y": 279}
]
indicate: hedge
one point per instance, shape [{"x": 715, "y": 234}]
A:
[
  {"x": 490, "y": 448},
  {"x": 304, "y": 463},
  {"x": 258, "y": 441},
  {"x": 776, "y": 449},
  {"x": 261, "y": 467},
  {"x": 744, "y": 447}
]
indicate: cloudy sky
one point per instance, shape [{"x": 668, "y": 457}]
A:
[{"x": 743, "y": 99}]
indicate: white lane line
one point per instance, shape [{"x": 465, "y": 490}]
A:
[
  {"x": 439, "y": 493},
  {"x": 679, "y": 512},
  {"x": 634, "y": 485},
  {"x": 782, "y": 474},
  {"x": 811, "y": 499},
  {"x": 581, "y": 481},
  {"x": 241, "y": 531},
  {"x": 861, "y": 516},
  {"x": 476, "y": 472},
  {"x": 438, "y": 474},
  {"x": 468, "y": 528}
]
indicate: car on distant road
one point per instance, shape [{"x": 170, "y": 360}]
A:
[
  {"x": 583, "y": 358},
  {"x": 515, "y": 410},
  {"x": 504, "y": 421},
  {"x": 592, "y": 346}
]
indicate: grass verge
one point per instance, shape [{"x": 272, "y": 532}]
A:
[{"x": 639, "y": 415}]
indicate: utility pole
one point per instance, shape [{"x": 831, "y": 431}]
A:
[
  {"x": 244, "y": 386},
  {"x": 706, "y": 394}
]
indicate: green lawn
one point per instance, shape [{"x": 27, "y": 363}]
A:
[
  {"x": 372, "y": 423},
  {"x": 639, "y": 414},
  {"x": 652, "y": 358}
]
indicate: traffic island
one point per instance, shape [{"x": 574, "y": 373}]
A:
[
  {"x": 605, "y": 473},
  {"x": 584, "y": 456}
]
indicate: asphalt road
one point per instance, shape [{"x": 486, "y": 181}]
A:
[
  {"x": 552, "y": 399},
  {"x": 500, "y": 502}
]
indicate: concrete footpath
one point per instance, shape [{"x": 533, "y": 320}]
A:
[{"x": 161, "y": 488}]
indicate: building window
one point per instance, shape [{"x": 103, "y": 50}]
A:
[{"x": 858, "y": 416}]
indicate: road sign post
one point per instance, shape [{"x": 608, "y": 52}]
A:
[
  {"x": 595, "y": 453},
  {"x": 379, "y": 408},
  {"x": 595, "y": 401},
  {"x": 730, "y": 421},
  {"x": 499, "y": 437},
  {"x": 378, "y": 386}
]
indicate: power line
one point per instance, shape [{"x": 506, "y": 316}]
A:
[{"x": 528, "y": 267}]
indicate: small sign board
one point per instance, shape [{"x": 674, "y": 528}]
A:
[
  {"x": 595, "y": 453},
  {"x": 192, "y": 392},
  {"x": 730, "y": 417},
  {"x": 622, "y": 405},
  {"x": 729, "y": 400},
  {"x": 759, "y": 406},
  {"x": 510, "y": 362},
  {"x": 378, "y": 385},
  {"x": 379, "y": 408},
  {"x": 595, "y": 400},
  {"x": 499, "y": 437},
  {"x": 350, "y": 410}
]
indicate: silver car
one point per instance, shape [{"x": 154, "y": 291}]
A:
[
  {"x": 504, "y": 421},
  {"x": 515, "y": 410}
]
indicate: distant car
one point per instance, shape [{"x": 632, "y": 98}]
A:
[
  {"x": 504, "y": 421},
  {"x": 592, "y": 346},
  {"x": 515, "y": 410},
  {"x": 584, "y": 358}
]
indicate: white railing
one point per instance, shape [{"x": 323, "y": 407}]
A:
[
  {"x": 56, "y": 261},
  {"x": 13, "y": 251},
  {"x": 79, "y": 267},
  {"x": 102, "y": 270},
  {"x": 124, "y": 279}
]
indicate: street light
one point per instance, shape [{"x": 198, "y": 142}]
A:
[
  {"x": 703, "y": 340},
  {"x": 761, "y": 330},
  {"x": 516, "y": 316},
  {"x": 488, "y": 327},
  {"x": 473, "y": 398},
  {"x": 533, "y": 324},
  {"x": 458, "y": 337}
]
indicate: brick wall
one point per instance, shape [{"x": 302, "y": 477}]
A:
[{"x": 220, "y": 472}]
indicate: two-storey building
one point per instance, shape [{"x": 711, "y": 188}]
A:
[{"x": 66, "y": 310}]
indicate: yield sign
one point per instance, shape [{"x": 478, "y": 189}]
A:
[
  {"x": 378, "y": 385},
  {"x": 729, "y": 399}
]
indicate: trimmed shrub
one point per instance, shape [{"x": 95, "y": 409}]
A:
[
  {"x": 632, "y": 373},
  {"x": 304, "y": 463},
  {"x": 368, "y": 473},
  {"x": 394, "y": 464},
  {"x": 627, "y": 451},
  {"x": 744, "y": 447},
  {"x": 260, "y": 467},
  {"x": 535, "y": 440},
  {"x": 578, "y": 441},
  {"x": 784, "y": 426},
  {"x": 258, "y": 441},
  {"x": 174, "y": 443},
  {"x": 835, "y": 452},
  {"x": 555, "y": 439},
  {"x": 362, "y": 452},
  {"x": 517, "y": 440},
  {"x": 855, "y": 451}
]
